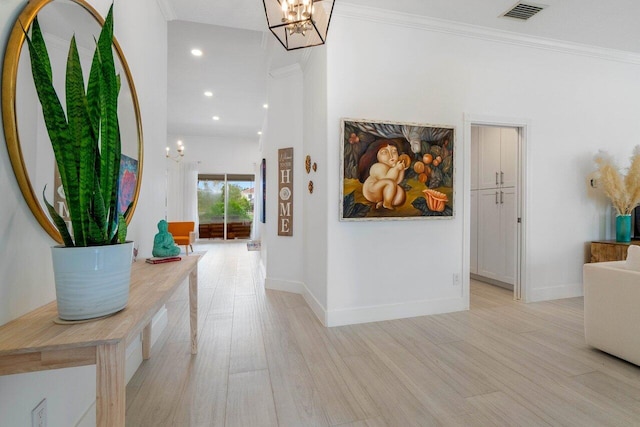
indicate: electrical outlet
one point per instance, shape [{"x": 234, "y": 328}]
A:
[
  {"x": 456, "y": 279},
  {"x": 39, "y": 415}
]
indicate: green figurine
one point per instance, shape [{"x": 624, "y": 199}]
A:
[{"x": 163, "y": 244}]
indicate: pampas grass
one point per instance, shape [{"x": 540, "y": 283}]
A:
[{"x": 624, "y": 191}]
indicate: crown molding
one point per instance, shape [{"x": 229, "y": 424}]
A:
[
  {"x": 383, "y": 16},
  {"x": 167, "y": 10},
  {"x": 289, "y": 70}
]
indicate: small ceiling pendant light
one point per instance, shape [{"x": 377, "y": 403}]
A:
[{"x": 299, "y": 23}]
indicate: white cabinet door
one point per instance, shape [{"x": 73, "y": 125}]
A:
[
  {"x": 473, "y": 228},
  {"x": 497, "y": 221},
  {"x": 508, "y": 237},
  {"x": 490, "y": 259},
  {"x": 489, "y": 157},
  {"x": 508, "y": 156}
]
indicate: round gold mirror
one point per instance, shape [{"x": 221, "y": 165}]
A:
[{"x": 28, "y": 143}]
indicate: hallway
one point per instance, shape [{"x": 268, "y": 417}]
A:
[{"x": 265, "y": 360}]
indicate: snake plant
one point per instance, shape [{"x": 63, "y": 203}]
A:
[{"x": 85, "y": 140}]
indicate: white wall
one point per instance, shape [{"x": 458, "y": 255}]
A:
[
  {"x": 575, "y": 104},
  {"x": 316, "y": 205},
  {"x": 25, "y": 260},
  {"x": 284, "y": 269},
  {"x": 220, "y": 154}
]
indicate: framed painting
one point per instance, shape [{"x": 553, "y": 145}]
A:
[
  {"x": 396, "y": 171},
  {"x": 127, "y": 182}
]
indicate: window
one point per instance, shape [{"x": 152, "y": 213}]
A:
[{"x": 225, "y": 206}]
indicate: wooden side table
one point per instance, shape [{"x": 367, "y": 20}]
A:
[
  {"x": 610, "y": 250},
  {"x": 34, "y": 342}
]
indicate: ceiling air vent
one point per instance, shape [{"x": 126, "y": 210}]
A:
[{"x": 523, "y": 11}]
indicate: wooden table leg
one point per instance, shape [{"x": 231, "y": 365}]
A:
[
  {"x": 193, "y": 309},
  {"x": 146, "y": 342},
  {"x": 110, "y": 385}
]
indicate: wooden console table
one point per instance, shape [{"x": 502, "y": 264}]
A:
[
  {"x": 34, "y": 342},
  {"x": 610, "y": 250}
]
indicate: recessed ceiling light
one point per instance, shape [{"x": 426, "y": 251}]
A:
[
  {"x": 259, "y": 132},
  {"x": 196, "y": 52},
  {"x": 265, "y": 106},
  {"x": 208, "y": 93},
  {"x": 216, "y": 118}
]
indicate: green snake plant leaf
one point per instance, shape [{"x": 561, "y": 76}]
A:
[
  {"x": 84, "y": 147},
  {"x": 122, "y": 229},
  {"x": 58, "y": 221},
  {"x": 41, "y": 50},
  {"x": 93, "y": 97},
  {"x": 109, "y": 129},
  {"x": 86, "y": 141},
  {"x": 97, "y": 217}
]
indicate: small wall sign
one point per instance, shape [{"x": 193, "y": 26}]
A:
[{"x": 285, "y": 192}]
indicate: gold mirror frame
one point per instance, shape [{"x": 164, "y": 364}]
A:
[{"x": 10, "y": 119}]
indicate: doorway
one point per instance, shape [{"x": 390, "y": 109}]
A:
[
  {"x": 225, "y": 206},
  {"x": 496, "y": 217}
]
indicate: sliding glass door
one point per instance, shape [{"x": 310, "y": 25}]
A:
[{"x": 225, "y": 206}]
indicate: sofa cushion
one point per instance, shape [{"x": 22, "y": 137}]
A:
[{"x": 633, "y": 258}]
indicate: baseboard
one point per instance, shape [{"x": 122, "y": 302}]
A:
[
  {"x": 284, "y": 285},
  {"x": 394, "y": 311},
  {"x": 494, "y": 282},
  {"x": 262, "y": 270},
  {"x": 299, "y": 288},
  {"x": 158, "y": 324},
  {"x": 555, "y": 292},
  {"x": 89, "y": 417},
  {"x": 315, "y": 306},
  {"x": 133, "y": 361}
]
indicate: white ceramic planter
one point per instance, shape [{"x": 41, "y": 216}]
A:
[{"x": 91, "y": 281}]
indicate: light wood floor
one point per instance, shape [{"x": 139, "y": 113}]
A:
[{"x": 264, "y": 360}]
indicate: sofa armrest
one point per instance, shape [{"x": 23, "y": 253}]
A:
[{"x": 611, "y": 314}]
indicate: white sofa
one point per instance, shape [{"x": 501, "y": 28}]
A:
[{"x": 612, "y": 309}]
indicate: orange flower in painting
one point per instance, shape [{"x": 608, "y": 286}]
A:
[{"x": 436, "y": 201}]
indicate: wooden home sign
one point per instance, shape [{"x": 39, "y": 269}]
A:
[{"x": 285, "y": 192}]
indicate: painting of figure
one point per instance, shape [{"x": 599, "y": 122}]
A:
[
  {"x": 396, "y": 171},
  {"x": 127, "y": 182}
]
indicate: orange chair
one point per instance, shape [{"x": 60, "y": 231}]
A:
[{"x": 183, "y": 233}]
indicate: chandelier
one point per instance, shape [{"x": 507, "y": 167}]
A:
[
  {"x": 299, "y": 23},
  {"x": 179, "y": 149}
]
